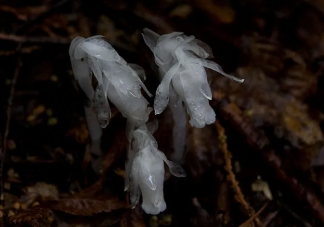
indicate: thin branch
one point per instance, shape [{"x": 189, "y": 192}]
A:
[
  {"x": 7, "y": 127},
  {"x": 239, "y": 197},
  {"x": 26, "y": 39},
  {"x": 153, "y": 18},
  {"x": 24, "y": 50},
  {"x": 24, "y": 13},
  {"x": 41, "y": 17},
  {"x": 254, "y": 216}
]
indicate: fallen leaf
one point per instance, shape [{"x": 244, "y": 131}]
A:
[
  {"x": 132, "y": 218},
  {"x": 182, "y": 11},
  {"x": 34, "y": 216},
  {"x": 79, "y": 133},
  {"x": 87, "y": 207},
  {"x": 44, "y": 190}
]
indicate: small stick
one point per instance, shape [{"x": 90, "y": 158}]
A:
[
  {"x": 254, "y": 216},
  {"x": 239, "y": 197},
  {"x": 26, "y": 39},
  {"x": 8, "y": 112}
]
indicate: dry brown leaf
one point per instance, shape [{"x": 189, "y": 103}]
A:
[
  {"x": 301, "y": 127},
  {"x": 182, "y": 11},
  {"x": 24, "y": 13},
  {"x": 34, "y": 216},
  {"x": 79, "y": 133},
  {"x": 220, "y": 13},
  {"x": 44, "y": 190},
  {"x": 132, "y": 218},
  {"x": 120, "y": 172},
  {"x": 39, "y": 110},
  {"x": 9, "y": 201},
  {"x": 87, "y": 207}
]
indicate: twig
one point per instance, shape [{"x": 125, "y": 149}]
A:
[
  {"x": 153, "y": 18},
  {"x": 83, "y": 22},
  {"x": 299, "y": 218},
  {"x": 269, "y": 218},
  {"x": 231, "y": 176},
  {"x": 41, "y": 17},
  {"x": 26, "y": 39},
  {"x": 254, "y": 216},
  {"x": 215, "y": 11},
  {"x": 23, "y": 13},
  {"x": 24, "y": 50},
  {"x": 8, "y": 112}
]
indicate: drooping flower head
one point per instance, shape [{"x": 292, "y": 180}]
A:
[
  {"x": 116, "y": 79},
  {"x": 145, "y": 171},
  {"x": 182, "y": 62}
]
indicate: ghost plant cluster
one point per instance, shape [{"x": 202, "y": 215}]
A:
[{"x": 184, "y": 86}]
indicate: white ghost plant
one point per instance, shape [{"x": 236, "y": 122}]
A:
[
  {"x": 182, "y": 63},
  {"x": 95, "y": 56},
  {"x": 184, "y": 86},
  {"x": 145, "y": 171}
]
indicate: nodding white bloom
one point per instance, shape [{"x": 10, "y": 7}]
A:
[
  {"x": 116, "y": 79},
  {"x": 181, "y": 61},
  {"x": 145, "y": 171}
]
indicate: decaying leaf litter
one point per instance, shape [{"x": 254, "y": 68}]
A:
[{"x": 261, "y": 164}]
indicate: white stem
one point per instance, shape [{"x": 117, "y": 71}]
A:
[
  {"x": 95, "y": 132},
  {"x": 179, "y": 131}
]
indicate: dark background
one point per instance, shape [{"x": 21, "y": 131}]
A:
[{"x": 272, "y": 124}]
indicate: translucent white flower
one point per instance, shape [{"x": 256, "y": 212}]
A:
[
  {"x": 145, "y": 171},
  {"x": 134, "y": 109},
  {"x": 182, "y": 63},
  {"x": 116, "y": 79}
]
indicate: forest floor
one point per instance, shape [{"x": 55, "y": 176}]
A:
[{"x": 260, "y": 164}]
